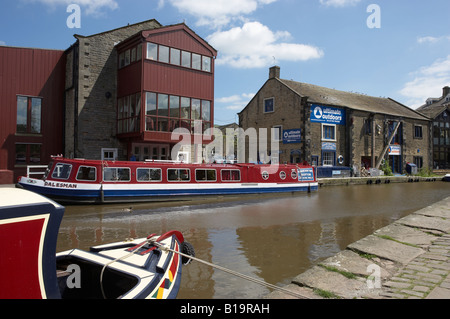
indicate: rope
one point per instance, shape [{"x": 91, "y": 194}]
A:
[
  {"x": 118, "y": 259},
  {"x": 232, "y": 272}
]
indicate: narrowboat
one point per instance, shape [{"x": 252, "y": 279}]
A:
[
  {"x": 96, "y": 181},
  {"x": 30, "y": 268}
]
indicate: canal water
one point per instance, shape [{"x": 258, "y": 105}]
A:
[{"x": 272, "y": 239}]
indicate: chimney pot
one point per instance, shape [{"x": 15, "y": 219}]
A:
[
  {"x": 274, "y": 72},
  {"x": 445, "y": 91}
]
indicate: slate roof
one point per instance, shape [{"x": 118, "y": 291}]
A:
[
  {"x": 435, "y": 109},
  {"x": 355, "y": 101}
]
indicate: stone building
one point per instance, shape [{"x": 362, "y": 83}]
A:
[
  {"x": 438, "y": 109},
  {"x": 327, "y": 127}
]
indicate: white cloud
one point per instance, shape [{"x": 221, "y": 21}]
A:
[
  {"x": 339, "y": 3},
  {"x": 429, "y": 39},
  {"x": 427, "y": 82},
  {"x": 2, "y": 43},
  {"x": 254, "y": 45},
  {"x": 218, "y": 12},
  {"x": 234, "y": 102},
  {"x": 90, "y": 6}
]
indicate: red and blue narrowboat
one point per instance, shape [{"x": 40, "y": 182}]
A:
[
  {"x": 96, "y": 181},
  {"x": 30, "y": 268}
]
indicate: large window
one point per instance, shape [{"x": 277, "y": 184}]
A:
[
  {"x": 29, "y": 114},
  {"x": 165, "y": 113},
  {"x": 129, "y": 110},
  {"x": 28, "y": 154},
  {"x": 165, "y": 54},
  {"x": 328, "y": 132},
  {"x": 328, "y": 158}
]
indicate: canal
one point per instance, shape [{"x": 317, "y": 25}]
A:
[{"x": 269, "y": 238}]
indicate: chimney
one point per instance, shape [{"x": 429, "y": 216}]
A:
[
  {"x": 274, "y": 72},
  {"x": 445, "y": 91}
]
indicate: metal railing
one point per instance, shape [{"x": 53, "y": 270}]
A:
[{"x": 31, "y": 168}]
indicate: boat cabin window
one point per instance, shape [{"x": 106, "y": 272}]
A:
[
  {"x": 178, "y": 175},
  {"x": 205, "y": 175},
  {"x": 62, "y": 171},
  {"x": 231, "y": 175},
  {"x": 86, "y": 173},
  {"x": 116, "y": 174},
  {"x": 148, "y": 175}
]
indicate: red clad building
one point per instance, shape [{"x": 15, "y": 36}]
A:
[
  {"x": 31, "y": 108},
  {"x": 112, "y": 95}
]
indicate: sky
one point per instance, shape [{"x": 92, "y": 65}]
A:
[{"x": 398, "y": 49}]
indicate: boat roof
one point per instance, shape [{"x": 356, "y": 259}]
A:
[{"x": 19, "y": 197}]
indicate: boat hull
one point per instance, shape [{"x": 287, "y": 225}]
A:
[
  {"x": 79, "y": 193},
  {"x": 91, "y": 181}
]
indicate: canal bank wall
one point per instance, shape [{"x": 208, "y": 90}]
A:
[
  {"x": 409, "y": 259},
  {"x": 323, "y": 182}
]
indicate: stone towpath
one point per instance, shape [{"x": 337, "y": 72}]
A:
[{"x": 409, "y": 259}]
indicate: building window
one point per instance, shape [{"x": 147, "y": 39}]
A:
[
  {"x": 418, "y": 134},
  {"x": 28, "y": 154},
  {"x": 165, "y": 113},
  {"x": 152, "y": 51},
  {"x": 186, "y": 59},
  {"x": 269, "y": 105},
  {"x": 368, "y": 127},
  {"x": 174, "y": 56},
  {"x": 328, "y": 132},
  {"x": 109, "y": 154},
  {"x": 29, "y": 114},
  {"x": 328, "y": 158}
]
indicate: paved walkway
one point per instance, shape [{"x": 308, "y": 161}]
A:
[{"x": 410, "y": 258}]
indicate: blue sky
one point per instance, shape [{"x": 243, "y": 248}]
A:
[{"x": 323, "y": 42}]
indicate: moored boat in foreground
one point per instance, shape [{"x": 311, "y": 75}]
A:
[
  {"x": 30, "y": 268},
  {"x": 95, "y": 181}
]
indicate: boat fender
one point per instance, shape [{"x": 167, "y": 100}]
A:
[{"x": 187, "y": 249}]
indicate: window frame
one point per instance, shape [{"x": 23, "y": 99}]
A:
[
  {"x": 230, "y": 180},
  {"x": 325, "y": 138},
  {"x": 266, "y": 106},
  {"x": 117, "y": 172},
  {"x": 32, "y": 118},
  {"x": 178, "y": 175},
  {"x": 149, "y": 169},
  {"x": 86, "y": 180},
  {"x": 206, "y": 170}
]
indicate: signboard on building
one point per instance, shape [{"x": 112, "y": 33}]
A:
[
  {"x": 328, "y": 115},
  {"x": 292, "y": 136},
  {"x": 395, "y": 150}
]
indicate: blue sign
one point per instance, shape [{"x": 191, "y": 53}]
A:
[
  {"x": 306, "y": 175},
  {"x": 328, "y": 115},
  {"x": 292, "y": 136}
]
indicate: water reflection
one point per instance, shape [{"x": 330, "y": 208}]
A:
[{"x": 273, "y": 239}]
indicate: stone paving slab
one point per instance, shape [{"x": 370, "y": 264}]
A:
[
  {"x": 426, "y": 222},
  {"x": 387, "y": 249},
  {"x": 406, "y": 234},
  {"x": 330, "y": 281},
  {"x": 307, "y": 293},
  {"x": 352, "y": 262}
]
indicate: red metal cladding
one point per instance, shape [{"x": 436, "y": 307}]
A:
[{"x": 31, "y": 73}]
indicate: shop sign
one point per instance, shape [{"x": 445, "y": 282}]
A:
[
  {"x": 328, "y": 115},
  {"x": 328, "y": 146},
  {"x": 292, "y": 136},
  {"x": 395, "y": 150}
]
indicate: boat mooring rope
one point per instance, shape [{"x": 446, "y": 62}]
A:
[{"x": 232, "y": 272}]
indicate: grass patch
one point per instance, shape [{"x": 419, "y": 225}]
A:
[
  {"x": 346, "y": 274},
  {"x": 397, "y": 241},
  {"x": 326, "y": 294}
]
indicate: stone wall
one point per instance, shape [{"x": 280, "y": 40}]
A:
[{"x": 91, "y": 106}]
